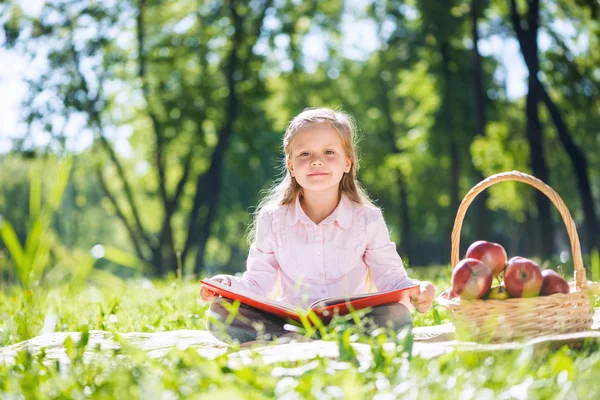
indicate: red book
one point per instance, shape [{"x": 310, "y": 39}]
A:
[{"x": 323, "y": 308}]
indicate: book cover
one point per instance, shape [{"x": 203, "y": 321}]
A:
[{"x": 323, "y": 308}]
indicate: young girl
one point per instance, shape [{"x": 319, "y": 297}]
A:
[{"x": 316, "y": 235}]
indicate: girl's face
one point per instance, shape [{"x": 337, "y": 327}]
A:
[{"x": 317, "y": 158}]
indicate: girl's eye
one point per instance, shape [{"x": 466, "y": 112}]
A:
[
  {"x": 304, "y": 153},
  {"x": 329, "y": 152}
]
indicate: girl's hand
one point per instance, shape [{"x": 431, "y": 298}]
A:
[
  {"x": 423, "y": 301},
  {"x": 209, "y": 295}
]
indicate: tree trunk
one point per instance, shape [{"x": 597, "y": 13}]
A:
[
  {"x": 163, "y": 252},
  {"x": 483, "y": 216},
  {"x": 405, "y": 245},
  {"x": 528, "y": 42},
  {"x": 214, "y": 178},
  {"x": 208, "y": 185},
  {"x": 580, "y": 166},
  {"x": 213, "y": 185},
  {"x": 539, "y": 168},
  {"x": 447, "y": 116}
]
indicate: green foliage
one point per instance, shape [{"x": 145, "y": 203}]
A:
[
  {"x": 135, "y": 306},
  {"x": 189, "y": 80},
  {"x": 394, "y": 370},
  {"x": 31, "y": 259}
]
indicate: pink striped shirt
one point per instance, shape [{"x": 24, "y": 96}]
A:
[{"x": 330, "y": 259}]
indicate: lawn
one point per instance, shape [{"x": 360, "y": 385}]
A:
[{"x": 154, "y": 306}]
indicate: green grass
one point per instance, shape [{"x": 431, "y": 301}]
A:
[{"x": 162, "y": 306}]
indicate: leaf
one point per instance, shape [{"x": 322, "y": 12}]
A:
[
  {"x": 85, "y": 338},
  {"x": 35, "y": 196},
  {"x": 346, "y": 351},
  {"x": 83, "y": 269},
  {"x": 107, "y": 280},
  {"x": 62, "y": 177},
  {"x": 70, "y": 348},
  {"x": 436, "y": 317},
  {"x": 595, "y": 262},
  {"x": 10, "y": 239},
  {"x": 123, "y": 258},
  {"x": 40, "y": 259}
]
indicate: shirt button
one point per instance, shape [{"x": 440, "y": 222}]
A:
[
  {"x": 318, "y": 252},
  {"x": 320, "y": 274},
  {"x": 323, "y": 291}
]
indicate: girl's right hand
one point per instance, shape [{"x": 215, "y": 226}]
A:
[{"x": 208, "y": 295}]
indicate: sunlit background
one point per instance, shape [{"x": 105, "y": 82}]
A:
[{"x": 170, "y": 114}]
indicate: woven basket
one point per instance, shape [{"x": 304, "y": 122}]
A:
[{"x": 521, "y": 318}]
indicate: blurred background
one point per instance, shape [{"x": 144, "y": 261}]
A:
[{"x": 138, "y": 135}]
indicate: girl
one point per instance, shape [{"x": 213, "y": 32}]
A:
[{"x": 315, "y": 235}]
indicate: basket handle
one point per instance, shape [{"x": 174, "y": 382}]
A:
[{"x": 580, "y": 276}]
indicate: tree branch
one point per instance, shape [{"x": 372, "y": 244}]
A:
[
  {"x": 95, "y": 118},
  {"x": 128, "y": 191},
  {"x": 516, "y": 21},
  {"x": 205, "y": 193},
  {"x": 159, "y": 159},
  {"x": 259, "y": 21},
  {"x": 533, "y": 15},
  {"x": 120, "y": 214},
  {"x": 574, "y": 67},
  {"x": 184, "y": 178}
]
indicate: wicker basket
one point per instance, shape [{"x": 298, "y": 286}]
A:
[{"x": 521, "y": 318}]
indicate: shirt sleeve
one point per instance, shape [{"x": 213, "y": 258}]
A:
[
  {"x": 387, "y": 268},
  {"x": 261, "y": 266}
]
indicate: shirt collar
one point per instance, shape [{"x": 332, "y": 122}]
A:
[{"x": 342, "y": 214}]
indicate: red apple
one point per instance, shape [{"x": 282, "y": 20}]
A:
[
  {"x": 491, "y": 254},
  {"x": 523, "y": 277},
  {"x": 553, "y": 283},
  {"x": 471, "y": 279},
  {"x": 513, "y": 259}
]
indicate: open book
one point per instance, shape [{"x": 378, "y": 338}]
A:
[{"x": 323, "y": 308}]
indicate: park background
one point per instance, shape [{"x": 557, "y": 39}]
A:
[
  {"x": 172, "y": 114},
  {"x": 136, "y": 137}
]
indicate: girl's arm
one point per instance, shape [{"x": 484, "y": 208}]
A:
[
  {"x": 262, "y": 265},
  {"x": 386, "y": 266}
]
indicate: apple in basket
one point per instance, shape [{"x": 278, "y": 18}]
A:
[
  {"x": 553, "y": 283},
  {"x": 523, "y": 277},
  {"x": 498, "y": 293},
  {"x": 489, "y": 253},
  {"x": 471, "y": 279}
]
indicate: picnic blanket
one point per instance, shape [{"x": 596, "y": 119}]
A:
[{"x": 429, "y": 342}]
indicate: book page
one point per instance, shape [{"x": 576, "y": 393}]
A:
[
  {"x": 329, "y": 301},
  {"x": 280, "y": 304}
]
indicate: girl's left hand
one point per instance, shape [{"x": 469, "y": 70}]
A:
[{"x": 423, "y": 301}]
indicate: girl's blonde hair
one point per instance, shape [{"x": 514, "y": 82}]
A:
[{"x": 286, "y": 189}]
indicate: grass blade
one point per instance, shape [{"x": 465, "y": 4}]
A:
[
  {"x": 35, "y": 196},
  {"x": 11, "y": 241},
  {"x": 123, "y": 258},
  {"x": 58, "y": 190},
  {"x": 595, "y": 261}
]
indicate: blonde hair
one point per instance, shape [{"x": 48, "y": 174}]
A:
[{"x": 286, "y": 189}]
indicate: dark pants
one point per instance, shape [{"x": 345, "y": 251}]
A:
[{"x": 245, "y": 323}]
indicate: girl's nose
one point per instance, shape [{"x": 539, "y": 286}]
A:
[{"x": 316, "y": 162}]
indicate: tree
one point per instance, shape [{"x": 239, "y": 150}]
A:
[
  {"x": 479, "y": 103},
  {"x": 184, "y": 101},
  {"x": 529, "y": 48},
  {"x": 527, "y": 38}
]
